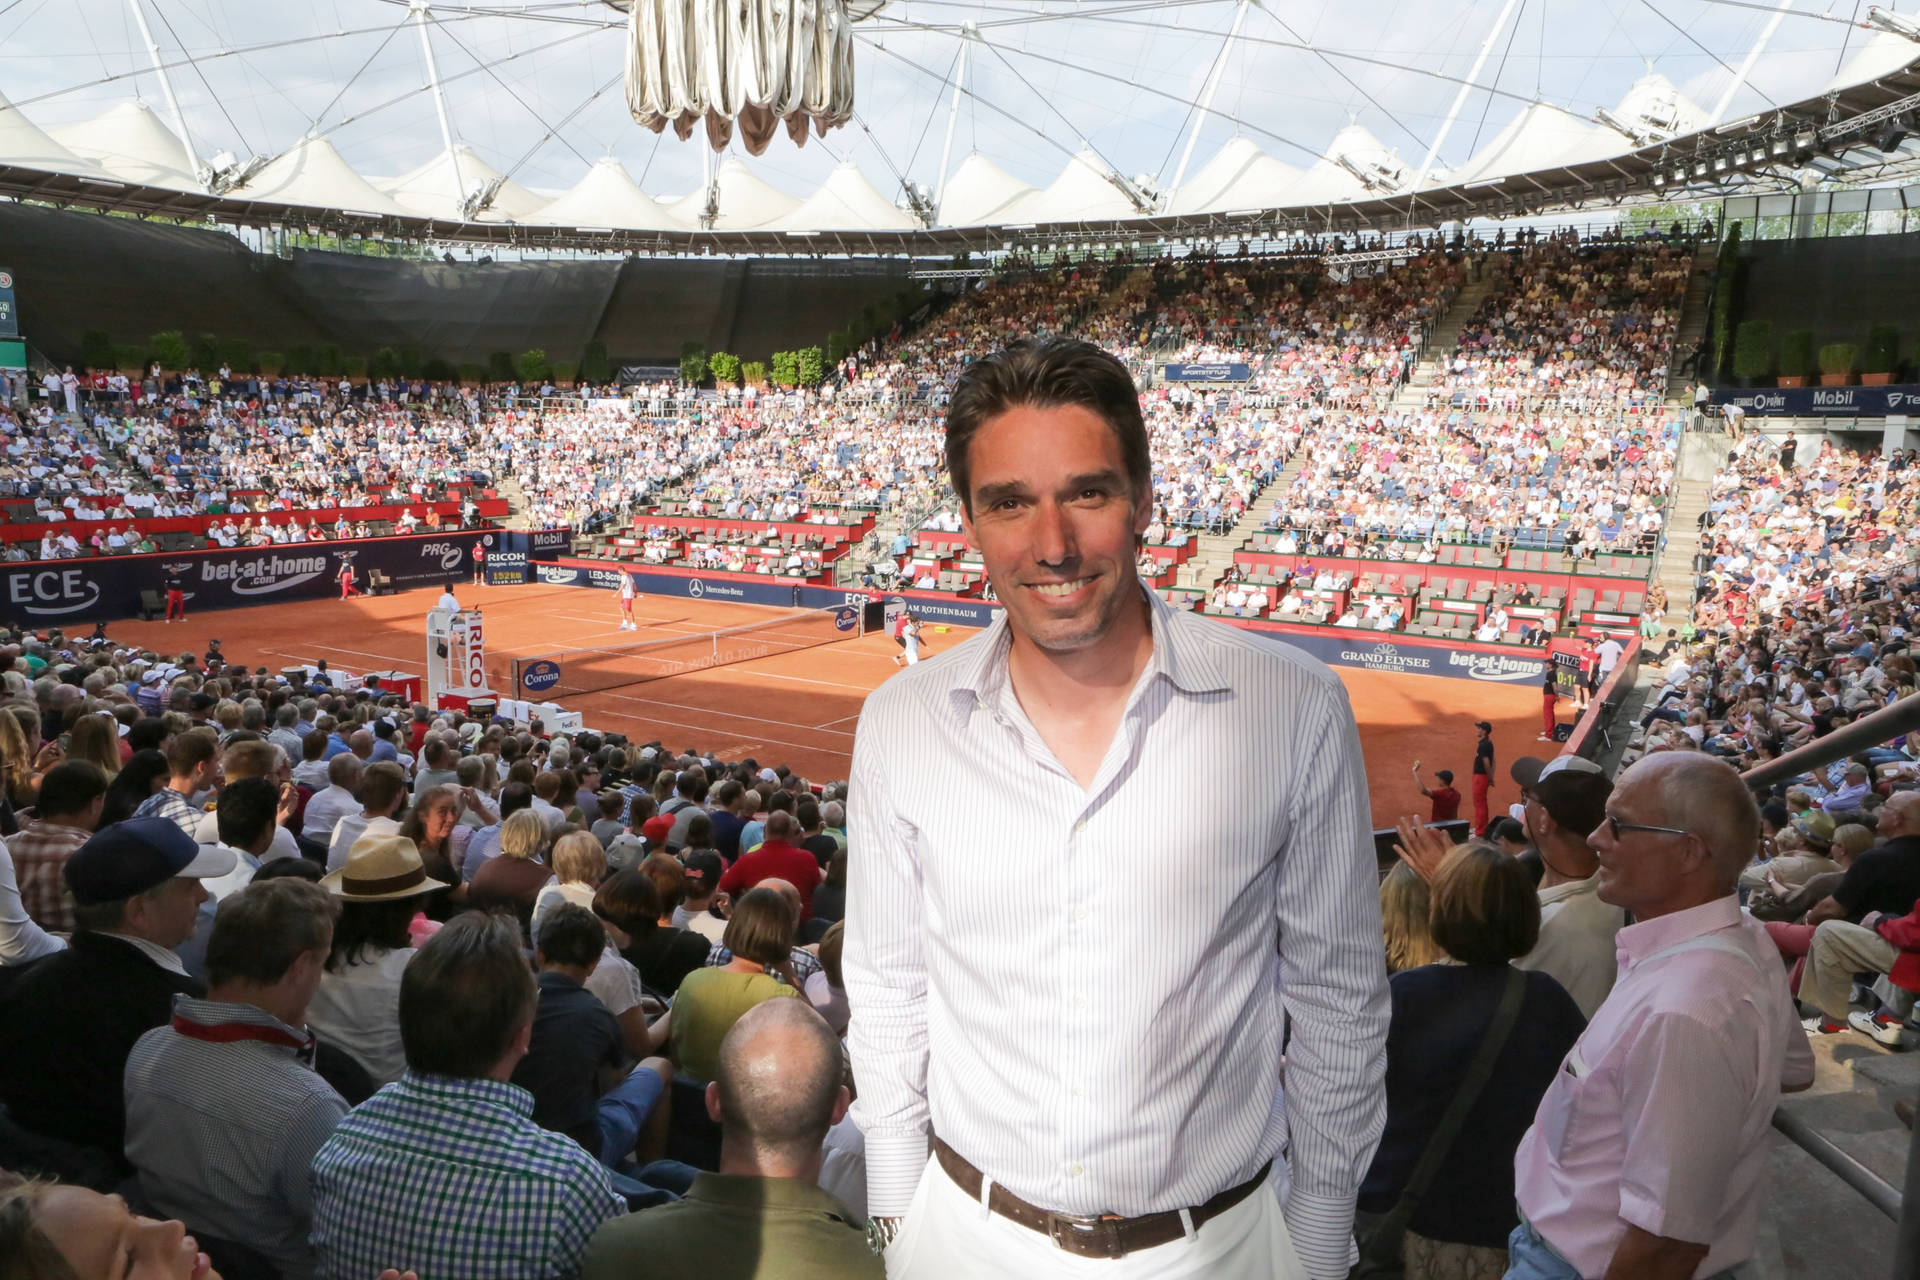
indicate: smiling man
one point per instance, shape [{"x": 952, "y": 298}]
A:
[{"x": 1103, "y": 1083}]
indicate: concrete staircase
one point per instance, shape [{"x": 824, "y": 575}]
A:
[
  {"x": 1216, "y": 550},
  {"x": 1693, "y": 324},
  {"x": 509, "y": 488},
  {"x": 1440, "y": 343},
  {"x": 1701, "y": 453}
]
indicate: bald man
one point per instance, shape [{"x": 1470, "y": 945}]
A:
[
  {"x": 1647, "y": 1156},
  {"x": 780, "y": 1088}
]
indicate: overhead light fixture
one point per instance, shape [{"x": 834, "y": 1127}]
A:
[{"x": 1720, "y": 164}]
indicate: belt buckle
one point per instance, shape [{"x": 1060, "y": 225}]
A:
[{"x": 1093, "y": 1231}]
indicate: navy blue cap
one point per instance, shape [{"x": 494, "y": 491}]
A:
[{"x": 131, "y": 857}]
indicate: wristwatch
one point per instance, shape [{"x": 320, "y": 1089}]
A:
[{"x": 880, "y": 1233}]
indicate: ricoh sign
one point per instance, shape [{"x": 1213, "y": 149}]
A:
[{"x": 104, "y": 588}]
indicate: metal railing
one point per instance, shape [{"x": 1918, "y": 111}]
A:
[{"x": 1883, "y": 725}]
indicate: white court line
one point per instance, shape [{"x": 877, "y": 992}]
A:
[
  {"x": 731, "y": 715},
  {"x": 329, "y": 648},
  {"x": 828, "y": 726},
  {"x": 707, "y": 728}
]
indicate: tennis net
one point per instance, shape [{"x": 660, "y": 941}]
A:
[{"x": 567, "y": 672}]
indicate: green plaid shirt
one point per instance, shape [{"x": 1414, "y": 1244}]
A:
[{"x": 452, "y": 1179}]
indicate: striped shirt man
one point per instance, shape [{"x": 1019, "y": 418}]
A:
[
  {"x": 452, "y": 1178},
  {"x": 1117, "y": 1051},
  {"x": 224, "y": 1114}
]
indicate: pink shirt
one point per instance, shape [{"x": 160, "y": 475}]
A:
[{"x": 1660, "y": 1114}]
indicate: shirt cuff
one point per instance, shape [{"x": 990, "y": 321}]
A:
[
  {"x": 895, "y": 1164},
  {"x": 1322, "y": 1231}
]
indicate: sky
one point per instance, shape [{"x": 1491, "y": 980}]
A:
[{"x": 536, "y": 88}]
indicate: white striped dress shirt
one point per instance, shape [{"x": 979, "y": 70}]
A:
[{"x": 1080, "y": 990}]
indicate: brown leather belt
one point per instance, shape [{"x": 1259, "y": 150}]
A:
[{"x": 1092, "y": 1236}]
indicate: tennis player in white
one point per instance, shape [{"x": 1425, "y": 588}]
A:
[
  {"x": 1100, "y": 1070},
  {"x": 628, "y": 594}
]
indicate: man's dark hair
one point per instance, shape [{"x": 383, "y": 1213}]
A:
[
  {"x": 572, "y": 936},
  {"x": 247, "y": 807},
  {"x": 1046, "y": 373},
  {"x": 150, "y": 731},
  {"x": 514, "y": 797},
  {"x": 464, "y": 997},
  {"x": 69, "y": 787}
]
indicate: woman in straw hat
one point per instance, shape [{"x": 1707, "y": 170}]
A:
[{"x": 381, "y": 885}]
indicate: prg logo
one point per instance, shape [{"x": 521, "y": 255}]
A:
[{"x": 451, "y": 554}]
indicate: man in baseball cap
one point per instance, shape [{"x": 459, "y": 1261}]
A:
[
  {"x": 1565, "y": 799},
  {"x": 69, "y": 1021}
]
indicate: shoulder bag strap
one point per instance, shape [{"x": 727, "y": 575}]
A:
[{"x": 1387, "y": 1235}]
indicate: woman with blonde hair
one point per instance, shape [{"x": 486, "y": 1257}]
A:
[
  {"x": 16, "y": 755},
  {"x": 1404, "y": 907},
  {"x": 95, "y": 738},
  {"x": 511, "y": 881},
  {"x": 579, "y": 865}
]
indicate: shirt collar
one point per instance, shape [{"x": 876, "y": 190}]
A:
[
  {"x": 220, "y": 1020},
  {"x": 1178, "y": 656},
  {"x": 458, "y": 1091},
  {"x": 1638, "y": 941},
  {"x": 153, "y": 951},
  {"x": 755, "y": 1193}
]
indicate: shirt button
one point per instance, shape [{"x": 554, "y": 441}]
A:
[
  {"x": 1074, "y": 1171},
  {"x": 1078, "y": 1091},
  {"x": 1079, "y": 826},
  {"x": 1079, "y": 1001},
  {"x": 1079, "y": 913}
]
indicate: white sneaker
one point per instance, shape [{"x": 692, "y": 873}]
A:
[{"x": 1886, "y": 1032}]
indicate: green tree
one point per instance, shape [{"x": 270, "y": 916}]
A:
[
  {"x": 1796, "y": 354},
  {"x": 386, "y": 363},
  {"x": 130, "y": 357},
  {"x": 96, "y": 349},
  {"x": 328, "y": 362},
  {"x": 413, "y": 362},
  {"x": 532, "y": 365},
  {"x": 566, "y": 374},
  {"x": 300, "y": 360},
  {"x": 436, "y": 369},
  {"x": 839, "y": 342},
  {"x": 206, "y": 353},
  {"x": 237, "y": 355},
  {"x": 693, "y": 363},
  {"x": 473, "y": 374},
  {"x": 594, "y": 365},
  {"x": 1753, "y": 349},
  {"x": 753, "y": 373},
  {"x": 271, "y": 364},
  {"x": 169, "y": 347},
  {"x": 1727, "y": 274},
  {"x": 785, "y": 367},
  {"x": 726, "y": 368},
  {"x": 499, "y": 367},
  {"x": 809, "y": 366}
]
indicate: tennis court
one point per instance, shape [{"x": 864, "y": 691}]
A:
[{"x": 795, "y": 708}]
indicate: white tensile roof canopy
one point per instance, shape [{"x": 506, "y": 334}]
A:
[
  {"x": 130, "y": 143},
  {"x": 505, "y": 114}
]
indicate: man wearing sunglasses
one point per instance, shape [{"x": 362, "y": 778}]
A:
[
  {"x": 1562, "y": 800},
  {"x": 1648, "y": 1154}
]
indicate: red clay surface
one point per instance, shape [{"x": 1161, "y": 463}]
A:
[{"x": 798, "y": 709}]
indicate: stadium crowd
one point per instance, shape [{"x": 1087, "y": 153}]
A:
[{"x": 1540, "y": 428}]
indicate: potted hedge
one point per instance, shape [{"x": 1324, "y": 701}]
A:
[
  {"x": 1882, "y": 356},
  {"x": 1796, "y": 358},
  {"x": 1836, "y": 363},
  {"x": 1753, "y": 351}
]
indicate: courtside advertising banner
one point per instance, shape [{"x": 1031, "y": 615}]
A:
[{"x": 103, "y": 588}]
